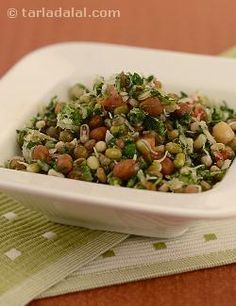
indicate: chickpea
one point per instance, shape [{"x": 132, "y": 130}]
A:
[
  {"x": 64, "y": 163},
  {"x": 40, "y": 152},
  {"x": 223, "y": 132}
]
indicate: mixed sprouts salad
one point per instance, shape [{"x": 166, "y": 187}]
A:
[{"x": 128, "y": 131}]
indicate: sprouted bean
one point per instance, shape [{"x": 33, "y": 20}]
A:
[{"x": 127, "y": 131}]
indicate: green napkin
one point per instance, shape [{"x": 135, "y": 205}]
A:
[{"x": 36, "y": 253}]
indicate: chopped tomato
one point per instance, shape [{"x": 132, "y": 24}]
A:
[{"x": 199, "y": 113}]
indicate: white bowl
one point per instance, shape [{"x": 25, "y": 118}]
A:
[{"x": 40, "y": 75}]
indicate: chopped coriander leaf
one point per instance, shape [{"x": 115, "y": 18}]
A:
[
  {"x": 150, "y": 78},
  {"x": 136, "y": 116},
  {"x": 136, "y": 79},
  {"x": 129, "y": 149},
  {"x": 154, "y": 124},
  {"x": 86, "y": 173},
  {"x": 183, "y": 95}
]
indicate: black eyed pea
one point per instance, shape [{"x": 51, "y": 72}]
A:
[
  {"x": 123, "y": 109},
  {"x": 173, "y": 148},
  {"x": 113, "y": 153},
  {"x": 93, "y": 162},
  {"x": 179, "y": 160},
  {"x": 223, "y": 132},
  {"x": 199, "y": 142}
]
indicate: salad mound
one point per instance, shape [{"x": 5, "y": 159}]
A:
[{"x": 127, "y": 131}]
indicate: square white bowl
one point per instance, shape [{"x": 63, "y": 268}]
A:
[{"x": 50, "y": 71}]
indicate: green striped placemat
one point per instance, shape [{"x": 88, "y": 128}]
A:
[
  {"x": 205, "y": 245},
  {"x": 35, "y": 253}
]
